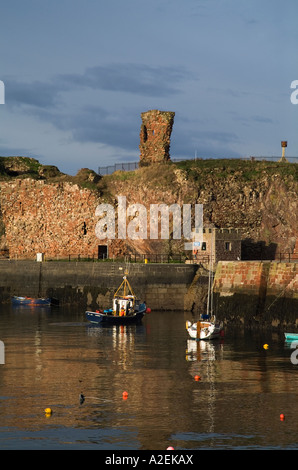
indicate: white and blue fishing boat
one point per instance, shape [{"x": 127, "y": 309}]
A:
[{"x": 126, "y": 308}]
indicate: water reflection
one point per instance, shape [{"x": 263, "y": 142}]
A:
[
  {"x": 54, "y": 356},
  {"x": 204, "y": 350}
]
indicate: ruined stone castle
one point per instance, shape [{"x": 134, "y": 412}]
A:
[{"x": 155, "y": 136}]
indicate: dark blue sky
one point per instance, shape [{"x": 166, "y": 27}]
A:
[{"x": 78, "y": 74}]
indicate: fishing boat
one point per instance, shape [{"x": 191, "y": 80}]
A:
[
  {"x": 206, "y": 327},
  {"x": 126, "y": 308},
  {"x": 291, "y": 336},
  {"x": 18, "y": 300}
]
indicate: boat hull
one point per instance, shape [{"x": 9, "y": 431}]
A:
[
  {"x": 207, "y": 331},
  {"x": 101, "y": 317},
  {"x": 30, "y": 301},
  {"x": 291, "y": 336}
]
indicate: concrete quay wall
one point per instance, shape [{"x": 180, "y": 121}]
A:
[{"x": 92, "y": 284}]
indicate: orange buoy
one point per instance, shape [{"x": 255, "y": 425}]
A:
[
  {"x": 282, "y": 417},
  {"x": 197, "y": 377},
  {"x": 124, "y": 395}
]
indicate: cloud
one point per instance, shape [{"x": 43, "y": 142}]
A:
[
  {"x": 190, "y": 142},
  {"x": 94, "y": 124},
  {"x": 251, "y": 120},
  {"x": 53, "y": 101},
  {"x": 36, "y": 93},
  {"x": 7, "y": 151},
  {"x": 138, "y": 79}
]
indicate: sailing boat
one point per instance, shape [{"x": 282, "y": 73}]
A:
[
  {"x": 206, "y": 327},
  {"x": 126, "y": 307}
]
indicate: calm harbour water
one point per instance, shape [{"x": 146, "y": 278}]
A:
[{"x": 53, "y": 355}]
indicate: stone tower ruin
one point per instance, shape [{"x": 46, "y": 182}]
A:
[{"x": 155, "y": 136}]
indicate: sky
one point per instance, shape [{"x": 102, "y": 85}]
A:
[{"x": 78, "y": 74}]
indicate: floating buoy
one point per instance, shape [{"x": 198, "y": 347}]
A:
[
  {"x": 265, "y": 346},
  {"x": 148, "y": 310},
  {"x": 170, "y": 448},
  {"x": 124, "y": 395},
  {"x": 282, "y": 417},
  {"x": 48, "y": 411},
  {"x": 197, "y": 378}
]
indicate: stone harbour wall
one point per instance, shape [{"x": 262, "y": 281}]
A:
[
  {"x": 93, "y": 284},
  {"x": 246, "y": 293},
  {"x": 255, "y": 293}
]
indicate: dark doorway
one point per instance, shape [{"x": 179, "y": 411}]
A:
[{"x": 102, "y": 251}]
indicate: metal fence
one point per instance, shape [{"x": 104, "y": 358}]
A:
[
  {"x": 289, "y": 257},
  {"x": 108, "y": 170},
  {"x": 169, "y": 258},
  {"x": 130, "y": 166},
  {"x": 272, "y": 159},
  {"x": 130, "y": 258}
]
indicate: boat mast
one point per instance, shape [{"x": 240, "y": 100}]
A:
[
  {"x": 210, "y": 280},
  {"x": 127, "y": 290},
  {"x": 212, "y": 272}
]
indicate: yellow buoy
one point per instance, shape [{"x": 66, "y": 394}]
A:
[
  {"x": 265, "y": 346},
  {"x": 48, "y": 411}
]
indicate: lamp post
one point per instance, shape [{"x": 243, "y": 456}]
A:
[{"x": 284, "y": 144}]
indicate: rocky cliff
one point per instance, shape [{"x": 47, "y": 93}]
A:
[
  {"x": 261, "y": 198},
  {"x": 43, "y": 210}
]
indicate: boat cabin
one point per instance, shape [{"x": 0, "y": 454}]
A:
[
  {"x": 125, "y": 305},
  {"x": 125, "y": 301}
]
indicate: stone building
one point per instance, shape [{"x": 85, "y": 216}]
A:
[
  {"x": 221, "y": 244},
  {"x": 155, "y": 136}
]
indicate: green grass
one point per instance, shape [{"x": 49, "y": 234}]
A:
[{"x": 246, "y": 169}]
